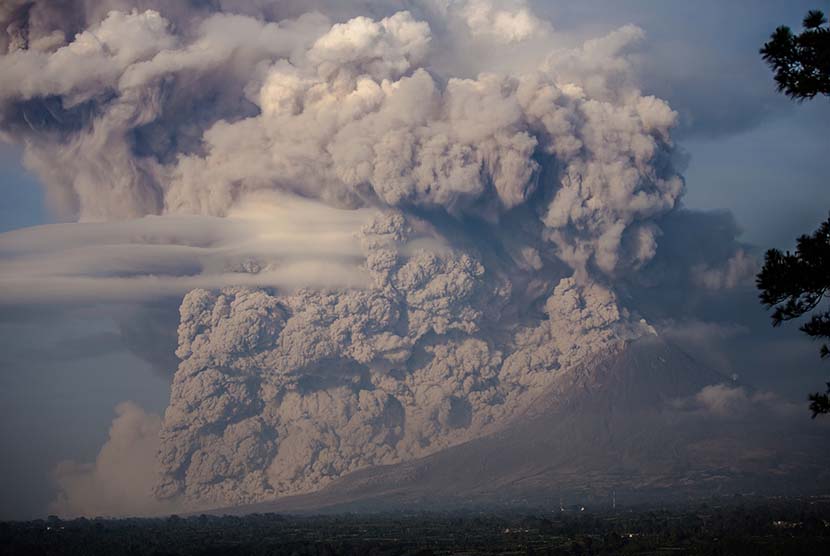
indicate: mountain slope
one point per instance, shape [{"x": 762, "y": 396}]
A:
[{"x": 627, "y": 422}]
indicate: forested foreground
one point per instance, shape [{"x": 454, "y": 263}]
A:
[{"x": 731, "y": 527}]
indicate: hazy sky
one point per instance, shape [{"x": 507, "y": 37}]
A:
[{"x": 750, "y": 151}]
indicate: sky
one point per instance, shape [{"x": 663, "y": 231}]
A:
[
  {"x": 752, "y": 151},
  {"x": 743, "y": 150}
]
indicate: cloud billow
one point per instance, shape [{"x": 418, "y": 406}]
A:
[
  {"x": 348, "y": 113},
  {"x": 372, "y": 222},
  {"x": 281, "y": 394}
]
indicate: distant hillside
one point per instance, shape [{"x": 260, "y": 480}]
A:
[{"x": 634, "y": 423}]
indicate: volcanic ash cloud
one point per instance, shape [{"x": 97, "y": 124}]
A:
[
  {"x": 498, "y": 208},
  {"x": 130, "y": 119},
  {"x": 281, "y": 394}
]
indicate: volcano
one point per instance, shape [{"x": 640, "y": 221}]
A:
[{"x": 628, "y": 424}]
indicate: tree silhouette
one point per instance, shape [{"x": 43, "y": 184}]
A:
[
  {"x": 801, "y": 62},
  {"x": 795, "y": 284}
]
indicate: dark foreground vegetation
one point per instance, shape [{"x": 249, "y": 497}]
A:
[{"x": 728, "y": 527}]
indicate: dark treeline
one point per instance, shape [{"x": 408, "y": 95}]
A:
[{"x": 733, "y": 527}]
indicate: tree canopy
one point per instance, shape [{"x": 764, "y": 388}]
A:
[
  {"x": 801, "y": 63},
  {"x": 795, "y": 284}
]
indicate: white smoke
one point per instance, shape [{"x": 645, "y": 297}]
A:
[
  {"x": 738, "y": 270},
  {"x": 122, "y": 478},
  {"x": 455, "y": 249},
  {"x": 504, "y": 24},
  {"x": 732, "y": 401}
]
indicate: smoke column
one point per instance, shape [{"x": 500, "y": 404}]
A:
[{"x": 383, "y": 249}]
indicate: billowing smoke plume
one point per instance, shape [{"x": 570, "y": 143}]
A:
[
  {"x": 487, "y": 215},
  {"x": 122, "y": 477},
  {"x": 280, "y": 394},
  {"x": 130, "y": 118}
]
